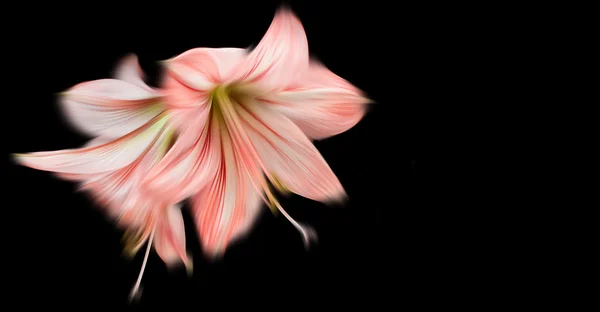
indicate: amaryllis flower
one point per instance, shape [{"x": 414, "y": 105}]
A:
[
  {"x": 130, "y": 125},
  {"x": 246, "y": 120},
  {"x": 228, "y": 128}
]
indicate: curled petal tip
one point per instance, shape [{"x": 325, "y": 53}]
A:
[
  {"x": 128, "y": 254},
  {"x": 164, "y": 62},
  {"x": 18, "y": 158},
  {"x": 214, "y": 256},
  {"x": 339, "y": 197},
  {"x": 342, "y": 197},
  {"x": 187, "y": 263},
  {"x": 336, "y": 201},
  {"x": 284, "y": 8},
  {"x": 367, "y": 100},
  {"x": 189, "y": 266}
]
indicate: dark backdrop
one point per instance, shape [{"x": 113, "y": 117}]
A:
[{"x": 62, "y": 248}]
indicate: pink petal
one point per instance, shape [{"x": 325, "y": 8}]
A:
[
  {"x": 232, "y": 126},
  {"x": 120, "y": 190},
  {"x": 279, "y": 57},
  {"x": 289, "y": 155},
  {"x": 97, "y": 141},
  {"x": 169, "y": 240},
  {"x": 82, "y": 177},
  {"x": 198, "y": 73},
  {"x": 178, "y": 95},
  {"x": 188, "y": 108},
  {"x": 97, "y": 159},
  {"x": 136, "y": 213},
  {"x": 253, "y": 207},
  {"x": 321, "y": 103},
  {"x": 129, "y": 70},
  {"x": 192, "y": 75},
  {"x": 186, "y": 168},
  {"x": 225, "y": 209},
  {"x": 109, "y": 107},
  {"x": 202, "y": 68}
]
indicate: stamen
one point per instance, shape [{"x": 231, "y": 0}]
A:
[
  {"x": 307, "y": 232},
  {"x": 279, "y": 186},
  {"x": 134, "y": 241},
  {"x": 136, "y": 287},
  {"x": 271, "y": 200},
  {"x": 168, "y": 142}
]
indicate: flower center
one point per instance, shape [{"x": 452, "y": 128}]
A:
[
  {"x": 226, "y": 102},
  {"x": 226, "y": 95}
]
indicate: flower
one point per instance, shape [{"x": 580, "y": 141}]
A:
[
  {"x": 248, "y": 118},
  {"x": 226, "y": 127},
  {"x": 130, "y": 125}
]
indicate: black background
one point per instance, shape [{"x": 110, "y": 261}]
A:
[
  {"x": 441, "y": 74},
  {"x": 63, "y": 250}
]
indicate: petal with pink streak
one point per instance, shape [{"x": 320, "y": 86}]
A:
[
  {"x": 128, "y": 69},
  {"x": 98, "y": 141},
  {"x": 189, "y": 109},
  {"x": 97, "y": 159},
  {"x": 225, "y": 209},
  {"x": 289, "y": 155},
  {"x": 82, "y": 177},
  {"x": 202, "y": 68},
  {"x": 321, "y": 103},
  {"x": 109, "y": 107},
  {"x": 120, "y": 190},
  {"x": 178, "y": 95},
  {"x": 169, "y": 240},
  {"x": 186, "y": 168},
  {"x": 253, "y": 207},
  {"x": 192, "y": 75},
  {"x": 279, "y": 57}
]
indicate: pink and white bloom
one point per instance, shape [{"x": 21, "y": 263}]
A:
[
  {"x": 130, "y": 124},
  {"x": 246, "y": 120},
  {"x": 227, "y": 125}
]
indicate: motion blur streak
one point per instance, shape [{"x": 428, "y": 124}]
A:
[{"x": 226, "y": 126}]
